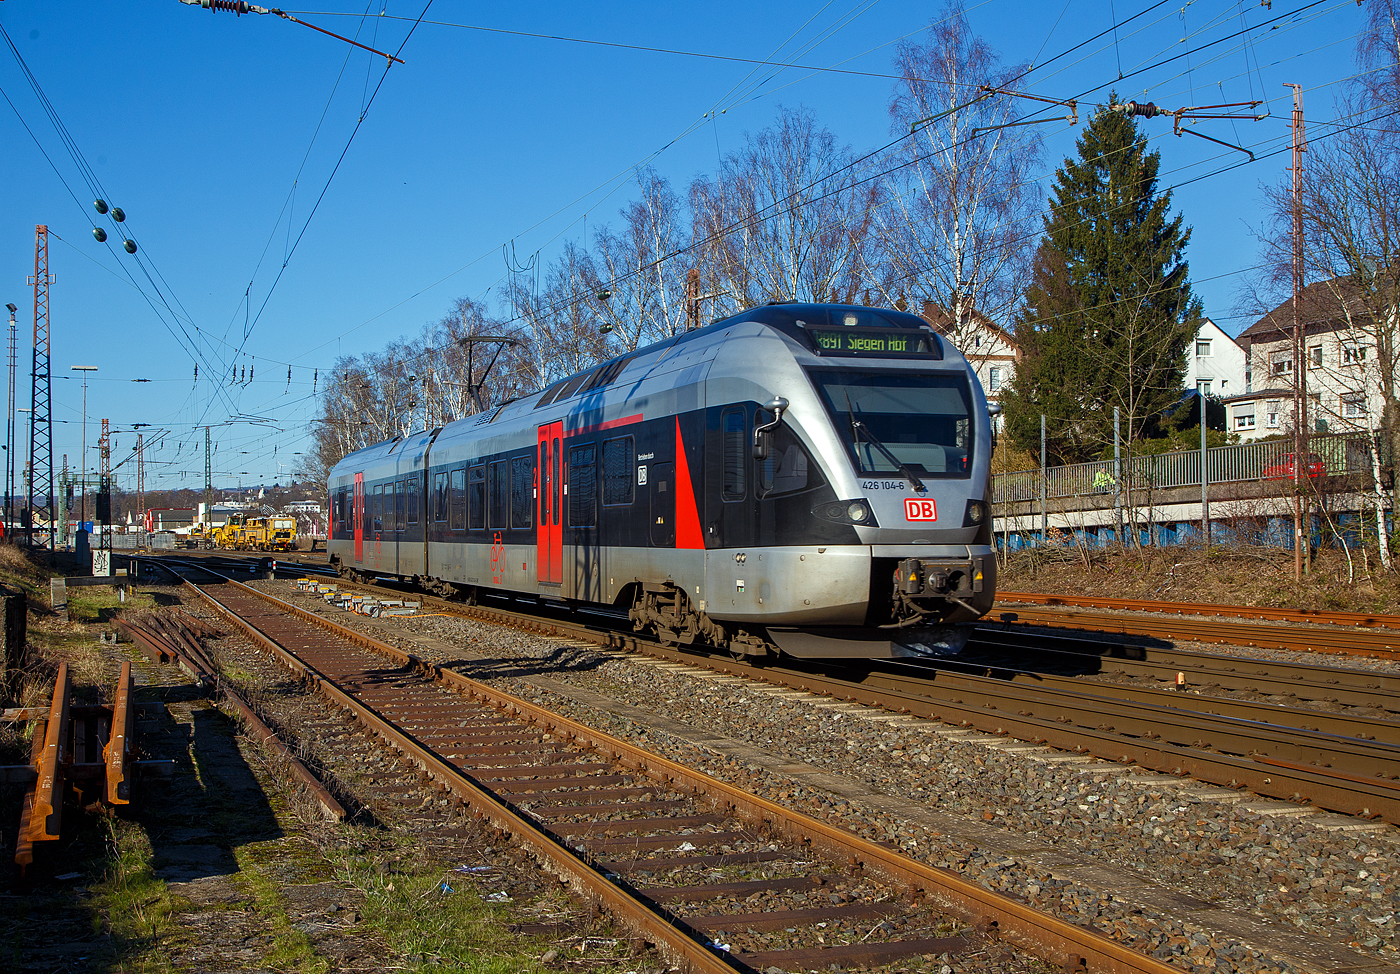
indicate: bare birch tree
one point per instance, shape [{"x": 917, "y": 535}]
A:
[{"x": 959, "y": 224}]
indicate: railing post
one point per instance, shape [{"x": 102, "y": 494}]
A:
[
  {"x": 1044, "y": 510},
  {"x": 1205, "y": 478},
  {"x": 1117, "y": 482}
]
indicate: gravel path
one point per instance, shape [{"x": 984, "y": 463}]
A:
[{"x": 1206, "y": 878}]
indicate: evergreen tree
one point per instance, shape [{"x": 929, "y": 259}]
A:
[{"x": 1109, "y": 312}]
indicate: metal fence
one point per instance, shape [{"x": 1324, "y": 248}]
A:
[{"x": 1339, "y": 453}]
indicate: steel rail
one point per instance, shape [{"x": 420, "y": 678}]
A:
[
  {"x": 1353, "y": 794},
  {"x": 1338, "y": 790},
  {"x": 1307, "y": 681},
  {"x": 1323, "y": 617},
  {"x": 122, "y": 739},
  {"x": 1272, "y": 716},
  {"x": 1074, "y": 946},
  {"x": 1383, "y": 643}
]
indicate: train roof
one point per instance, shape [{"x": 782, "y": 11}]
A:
[{"x": 796, "y": 320}]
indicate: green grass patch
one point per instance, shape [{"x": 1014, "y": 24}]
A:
[
  {"x": 291, "y": 948},
  {"x": 99, "y": 603},
  {"x": 133, "y": 905}
]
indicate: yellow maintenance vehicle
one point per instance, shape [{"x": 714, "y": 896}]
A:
[{"x": 277, "y": 532}]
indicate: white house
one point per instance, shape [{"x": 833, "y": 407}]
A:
[
  {"x": 1341, "y": 374},
  {"x": 1215, "y": 363},
  {"x": 990, "y": 349}
]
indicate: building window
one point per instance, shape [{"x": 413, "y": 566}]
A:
[
  {"x": 1315, "y": 357},
  {"x": 1203, "y": 348},
  {"x": 1354, "y": 355},
  {"x": 1203, "y": 387},
  {"x": 1281, "y": 363},
  {"x": 994, "y": 379},
  {"x": 1354, "y": 406},
  {"x": 1245, "y": 421},
  {"x": 1271, "y": 416}
]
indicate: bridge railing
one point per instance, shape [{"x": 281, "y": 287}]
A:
[{"x": 1340, "y": 453}]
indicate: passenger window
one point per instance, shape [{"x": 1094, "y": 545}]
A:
[
  {"x": 476, "y": 497},
  {"x": 413, "y": 499},
  {"x": 619, "y": 470},
  {"x": 440, "y": 497},
  {"x": 522, "y": 485},
  {"x": 735, "y": 454},
  {"x": 459, "y": 499},
  {"x": 583, "y": 490},
  {"x": 500, "y": 494},
  {"x": 379, "y": 508}
]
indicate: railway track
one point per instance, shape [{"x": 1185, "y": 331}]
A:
[
  {"x": 657, "y": 843},
  {"x": 1344, "y": 762},
  {"x": 1325, "y": 617}
]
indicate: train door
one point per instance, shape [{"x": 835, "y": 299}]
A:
[
  {"x": 549, "y": 531},
  {"x": 662, "y": 480},
  {"x": 357, "y": 515}
]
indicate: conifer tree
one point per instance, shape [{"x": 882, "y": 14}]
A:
[{"x": 1109, "y": 312}]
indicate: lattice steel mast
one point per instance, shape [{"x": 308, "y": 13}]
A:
[{"x": 40, "y": 396}]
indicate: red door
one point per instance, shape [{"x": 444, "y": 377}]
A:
[
  {"x": 357, "y": 514},
  {"x": 549, "y": 531}
]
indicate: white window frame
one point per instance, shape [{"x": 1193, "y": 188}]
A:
[
  {"x": 1353, "y": 405},
  {"x": 1315, "y": 357},
  {"x": 994, "y": 379},
  {"x": 1203, "y": 343},
  {"x": 1354, "y": 355}
]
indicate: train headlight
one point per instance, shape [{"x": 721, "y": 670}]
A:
[
  {"x": 847, "y": 512},
  {"x": 976, "y": 513}
]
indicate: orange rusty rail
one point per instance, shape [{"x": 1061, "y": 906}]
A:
[
  {"x": 1318, "y": 617},
  {"x": 43, "y": 806},
  {"x": 122, "y": 741}
]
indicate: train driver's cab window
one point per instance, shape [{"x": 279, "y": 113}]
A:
[
  {"x": 921, "y": 422},
  {"x": 788, "y": 467},
  {"x": 476, "y": 497},
  {"x": 619, "y": 470},
  {"x": 440, "y": 497},
  {"x": 459, "y": 499},
  {"x": 734, "y": 430}
]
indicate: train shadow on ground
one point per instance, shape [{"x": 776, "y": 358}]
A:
[{"x": 563, "y": 659}]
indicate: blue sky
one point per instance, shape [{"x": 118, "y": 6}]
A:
[{"x": 217, "y": 134}]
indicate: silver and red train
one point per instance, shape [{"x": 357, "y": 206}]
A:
[{"x": 804, "y": 478}]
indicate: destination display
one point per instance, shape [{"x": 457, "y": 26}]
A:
[{"x": 871, "y": 341}]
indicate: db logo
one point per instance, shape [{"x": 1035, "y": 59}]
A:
[{"x": 920, "y": 509}]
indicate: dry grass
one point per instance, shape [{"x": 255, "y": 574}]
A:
[{"x": 1224, "y": 576}]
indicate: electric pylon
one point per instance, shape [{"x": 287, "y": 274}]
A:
[{"x": 40, "y": 398}]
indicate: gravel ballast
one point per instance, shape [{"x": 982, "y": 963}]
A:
[{"x": 1205, "y": 878}]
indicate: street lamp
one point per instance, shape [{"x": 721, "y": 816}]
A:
[{"x": 82, "y": 473}]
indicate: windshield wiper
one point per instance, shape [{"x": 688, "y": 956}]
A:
[{"x": 857, "y": 426}]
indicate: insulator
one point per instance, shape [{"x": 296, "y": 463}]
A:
[
  {"x": 99, "y": 234},
  {"x": 130, "y": 246},
  {"x": 239, "y": 7},
  {"x": 118, "y": 214},
  {"x": 1145, "y": 110},
  {"x": 100, "y": 206}
]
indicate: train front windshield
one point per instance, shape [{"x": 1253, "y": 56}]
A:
[{"x": 922, "y": 421}]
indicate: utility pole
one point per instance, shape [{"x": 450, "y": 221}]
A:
[
  {"x": 103, "y": 514},
  {"x": 208, "y": 483},
  {"x": 65, "y": 487},
  {"x": 1300, "y": 391},
  {"x": 141, "y": 477},
  {"x": 40, "y": 391},
  {"x": 1205, "y": 475},
  {"x": 10, "y": 436},
  {"x": 82, "y": 457}
]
